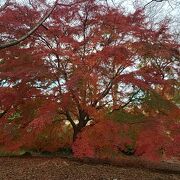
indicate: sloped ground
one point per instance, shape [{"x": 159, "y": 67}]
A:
[{"x": 38, "y": 168}]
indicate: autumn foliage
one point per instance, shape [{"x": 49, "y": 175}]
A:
[
  {"x": 102, "y": 140},
  {"x": 91, "y": 74}
]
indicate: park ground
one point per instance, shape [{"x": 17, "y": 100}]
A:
[{"x": 56, "y": 168}]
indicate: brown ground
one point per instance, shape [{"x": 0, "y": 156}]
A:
[{"x": 37, "y": 168}]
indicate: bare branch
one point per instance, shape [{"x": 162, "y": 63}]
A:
[
  {"x": 170, "y": 4},
  {"x": 153, "y": 1}
]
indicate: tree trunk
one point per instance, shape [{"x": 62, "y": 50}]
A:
[
  {"x": 77, "y": 129},
  {"x": 75, "y": 133}
]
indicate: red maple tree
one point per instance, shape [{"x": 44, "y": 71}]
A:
[{"x": 87, "y": 59}]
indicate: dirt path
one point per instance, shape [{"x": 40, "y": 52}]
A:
[{"x": 62, "y": 169}]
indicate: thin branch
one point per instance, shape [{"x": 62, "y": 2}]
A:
[
  {"x": 128, "y": 102},
  {"x": 6, "y": 4},
  {"x": 153, "y": 1},
  {"x": 108, "y": 88},
  {"x": 170, "y": 5},
  {"x": 130, "y": 99},
  {"x": 15, "y": 42}
]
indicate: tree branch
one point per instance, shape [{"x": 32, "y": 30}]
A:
[
  {"x": 153, "y": 1},
  {"x": 69, "y": 118},
  {"x": 108, "y": 88},
  {"x": 130, "y": 99},
  {"x": 15, "y": 42},
  {"x": 6, "y": 4},
  {"x": 128, "y": 102}
]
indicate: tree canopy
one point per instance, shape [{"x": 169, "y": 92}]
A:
[{"x": 92, "y": 66}]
